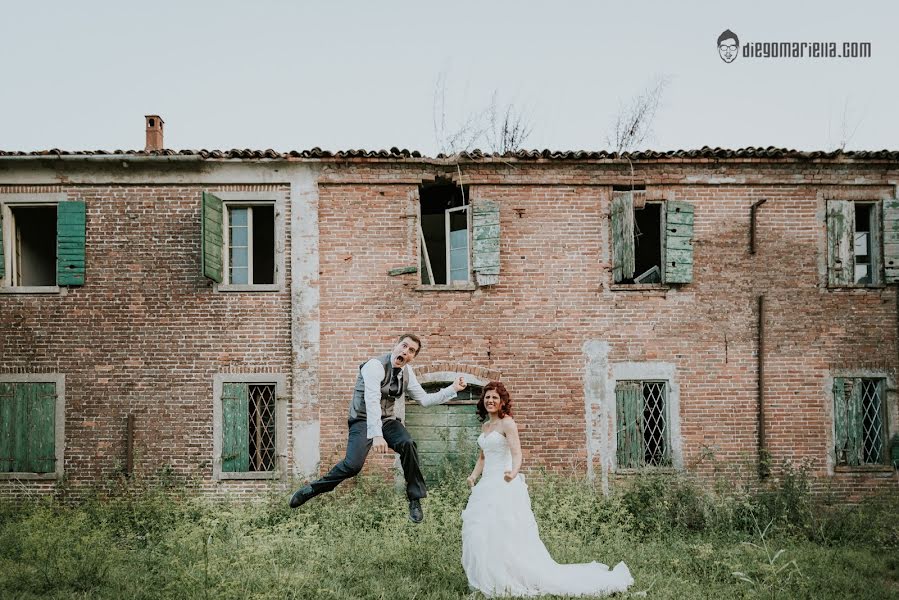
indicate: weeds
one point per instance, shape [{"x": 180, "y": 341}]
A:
[{"x": 679, "y": 539}]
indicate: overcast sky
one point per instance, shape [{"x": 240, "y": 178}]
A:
[{"x": 341, "y": 75}]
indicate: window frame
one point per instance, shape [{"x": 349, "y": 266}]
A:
[
  {"x": 663, "y": 211},
  {"x": 7, "y": 203},
  {"x": 887, "y": 415},
  {"x": 643, "y": 371},
  {"x": 279, "y": 380},
  {"x": 878, "y": 275},
  {"x": 59, "y": 380},
  {"x": 421, "y": 247},
  {"x": 249, "y": 200},
  {"x": 666, "y": 433}
]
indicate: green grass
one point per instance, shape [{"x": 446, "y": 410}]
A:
[{"x": 680, "y": 542}]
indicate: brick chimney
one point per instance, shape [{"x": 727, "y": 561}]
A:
[{"x": 154, "y": 133}]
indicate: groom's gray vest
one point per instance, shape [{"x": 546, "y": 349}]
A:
[{"x": 390, "y": 390}]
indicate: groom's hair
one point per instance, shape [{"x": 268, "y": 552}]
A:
[{"x": 505, "y": 400}]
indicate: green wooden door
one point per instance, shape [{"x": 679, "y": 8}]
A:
[{"x": 446, "y": 435}]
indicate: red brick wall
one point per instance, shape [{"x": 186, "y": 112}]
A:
[
  {"x": 144, "y": 335},
  {"x": 554, "y": 294}
]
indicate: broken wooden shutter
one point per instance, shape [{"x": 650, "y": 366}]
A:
[
  {"x": 212, "y": 240},
  {"x": 854, "y": 438},
  {"x": 2, "y": 260},
  {"x": 42, "y": 430},
  {"x": 840, "y": 248},
  {"x": 485, "y": 241},
  {"x": 235, "y": 428},
  {"x": 891, "y": 240},
  {"x": 629, "y": 405},
  {"x": 678, "y": 242},
  {"x": 70, "y": 236},
  {"x": 622, "y": 236},
  {"x": 840, "y": 420}
]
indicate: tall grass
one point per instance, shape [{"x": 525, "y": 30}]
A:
[{"x": 680, "y": 540}]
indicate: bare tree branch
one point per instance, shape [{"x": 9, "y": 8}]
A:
[
  {"x": 508, "y": 132},
  {"x": 633, "y": 123},
  {"x": 503, "y": 128}
]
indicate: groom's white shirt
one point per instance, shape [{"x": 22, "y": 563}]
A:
[{"x": 373, "y": 374}]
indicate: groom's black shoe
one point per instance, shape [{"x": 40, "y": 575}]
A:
[
  {"x": 415, "y": 513},
  {"x": 301, "y": 496}
]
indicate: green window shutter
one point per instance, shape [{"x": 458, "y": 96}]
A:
[
  {"x": 840, "y": 249},
  {"x": 629, "y": 407},
  {"x": 23, "y": 396},
  {"x": 42, "y": 434},
  {"x": 840, "y": 420},
  {"x": 70, "y": 236},
  {"x": 891, "y": 240},
  {"x": 854, "y": 425},
  {"x": 622, "y": 236},
  {"x": 7, "y": 429},
  {"x": 212, "y": 239},
  {"x": 678, "y": 242},
  {"x": 485, "y": 241},
  {"x": 2, "y": 256},
  {"x": 235, "y": 428}
]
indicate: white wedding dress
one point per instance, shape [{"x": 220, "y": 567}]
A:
[{"x": 501, "y": 549}]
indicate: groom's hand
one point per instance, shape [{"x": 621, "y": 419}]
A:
[
  {"x": 378, "y": 444},
  {"x": 459, "y": 384}
]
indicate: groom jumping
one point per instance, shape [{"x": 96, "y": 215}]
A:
[{"x": 382, "y": 382}]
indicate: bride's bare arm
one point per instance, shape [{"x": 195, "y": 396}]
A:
[
  {"x": 510, "y": 428},
  {"x": 478, "y": 469}
]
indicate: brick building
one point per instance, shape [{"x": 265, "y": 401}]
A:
[{"x": 205, "y": 313}]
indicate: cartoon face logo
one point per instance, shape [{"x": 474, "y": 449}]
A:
[{"x": 728, "y": 46}]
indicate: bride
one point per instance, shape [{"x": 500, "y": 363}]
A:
[{"x": 501, "y": 549}]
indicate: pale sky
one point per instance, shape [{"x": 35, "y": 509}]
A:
[{"x": 345, "y": 75}]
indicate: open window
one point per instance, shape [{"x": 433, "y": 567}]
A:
[
  {"x": 41, "y": 244},
  {"x": 240, "y": 241},
  {"x": 652, "y": 241},
  {"x": 854, "y": 256},
  {"x": 444, "y": 234}
]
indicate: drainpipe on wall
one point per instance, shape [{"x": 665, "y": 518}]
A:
[{"x": 764, "y": 455}]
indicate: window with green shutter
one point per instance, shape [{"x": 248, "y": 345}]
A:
[
  {"x": 27, "y": 427},
  {"x": 642, "y": 432},
  {"x": 859, "y": 421},
  {"x": 652, "y": 242},
  {"x": 446, "y": 435},
  {"x": 248, "y": 427},
  {"x": 42, "y": 244},
  {"x": 457, "y": 238},
  {"x": 857, "y": 245}
]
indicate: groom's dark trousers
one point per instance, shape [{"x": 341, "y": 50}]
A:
[{"x": 357, "y": 448}]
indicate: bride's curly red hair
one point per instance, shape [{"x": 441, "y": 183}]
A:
[{"x": 505, "y": 400}]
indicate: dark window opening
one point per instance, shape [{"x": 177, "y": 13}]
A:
[
  {"x": 264, "y": 244},
  {"x": 34, "y": 254},
  {"x": 862, "y": 243},
  {"x": 251, "y": 245},
  {"x": 647, "y": 244},
  {"x": 444, "y": 250}
]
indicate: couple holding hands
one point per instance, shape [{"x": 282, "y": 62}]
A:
[{"x": 502, "y": 553}]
